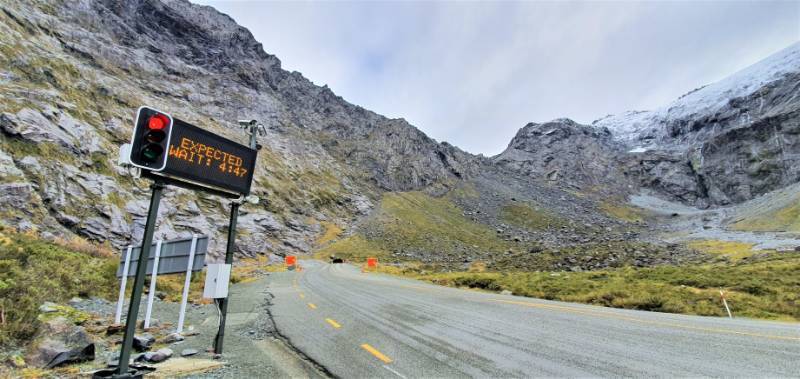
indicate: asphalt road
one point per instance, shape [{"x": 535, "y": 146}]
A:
[{"x": 371, "y": 325}]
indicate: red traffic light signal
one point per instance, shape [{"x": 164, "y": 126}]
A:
[{"x": 150, "y": 141}]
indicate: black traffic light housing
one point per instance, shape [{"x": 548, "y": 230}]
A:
[{"x": 150, "y": 141}]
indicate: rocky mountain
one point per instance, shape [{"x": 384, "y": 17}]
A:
[
  {"x": 337, "y": 176},
  {"x": 723, "y": 143},
  {"x": 568, "y": 155},
  {"x": 73, "y": 74}
]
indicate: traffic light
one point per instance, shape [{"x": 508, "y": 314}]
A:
[{"x": 150, "y": 142}]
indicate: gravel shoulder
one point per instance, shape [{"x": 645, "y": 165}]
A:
[{"x": 252, "y": 348}]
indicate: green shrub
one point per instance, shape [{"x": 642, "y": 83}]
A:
[
  {"x": 767, "y": 287},
  {"x": 33, "y": 271}
]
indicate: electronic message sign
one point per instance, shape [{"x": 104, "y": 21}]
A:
[{"x": 206, "y": 158}]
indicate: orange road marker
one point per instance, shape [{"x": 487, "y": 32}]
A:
[{"x": 376, "y": 353}]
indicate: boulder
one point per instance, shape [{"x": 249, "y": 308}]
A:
[
  {"x": 114, "y": 329},
  {"x": 59, "y": 342},
  {"x": 167, "y": 352},
  {"x": 155, "y": 357},
  {"x": 73, "y": 356},
  {"x": 143, "y": 342}
]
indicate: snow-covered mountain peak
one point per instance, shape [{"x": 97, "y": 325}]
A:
[{"x": 642, "y": 128}]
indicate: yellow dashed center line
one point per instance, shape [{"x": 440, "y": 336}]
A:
[
  {"x": 312, "y": 306},
  {"x": 302, "y": 296},
  {"x": 376, "y": 353},
  {"x": 650, "y": 322},
  {"x": 333, "y": 323}
]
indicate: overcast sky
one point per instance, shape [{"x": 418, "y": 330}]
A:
[{"x": 473, "y": 73}]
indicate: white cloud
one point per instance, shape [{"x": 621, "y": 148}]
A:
[{"x": 472, "y": 73}]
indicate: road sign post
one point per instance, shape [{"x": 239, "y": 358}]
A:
[
  {"x": 122, "y": 283},
  {"x": 138, "y": 283},
  {"x": 223, "y": 303},
  {"x": 152, "y": 293},
  {"x": 174, "y": 152},
  {"x": 186, "y": 283}
]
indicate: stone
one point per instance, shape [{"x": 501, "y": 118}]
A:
[
  {"x": 59, "y": 342},
  {"x": 77, "y": 355},
  {"x": 48, "y": 307},
  {"x": 506, "y": 292},
  {"x": 173, "y": 337},
  {"x": 75, "y": 301},
  {"x": 189, "y": 352},
  {"x": 535, "y": 250},
  {"x": 114, "y": 329},
  {"x": 143, "y": 342},
  {"x": 167, "y": 352},
  {"x": 155, "y": 357}
]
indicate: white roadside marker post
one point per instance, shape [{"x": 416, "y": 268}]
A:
[
  {"x": 152, "y": 293},
  {"x": 725, "y": 302},
  {"x": 185, "y": 296},
  {"x": 122, "y": 283}
]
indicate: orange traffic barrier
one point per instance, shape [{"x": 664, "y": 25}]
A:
[
  {"x": 372, "y": 262},
  {"x": 291, "y": 260}
]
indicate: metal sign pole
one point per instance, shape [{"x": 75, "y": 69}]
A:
[
  {"x": 138, "y": 282},
  {"x": 152, "y": 294},
  {"x": 186, "y": 283},
  {"x": 122, "y": 283},
  {"x": 223, "y": 303}
]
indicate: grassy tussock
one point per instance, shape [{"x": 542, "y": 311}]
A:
[
  {"x": 330, "y": 233},
  {"x": 729, "y": 249},
  {"x": 530, "y": 217},
  {"x": 623, "y": 212},
  {"x": 354, "y": 248},
  {"x": 291, "y": 187},
  {"x": 765, "y": 289},
  {"x": 417, "y": 222},
  {"x": 33, "y": 271}
]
